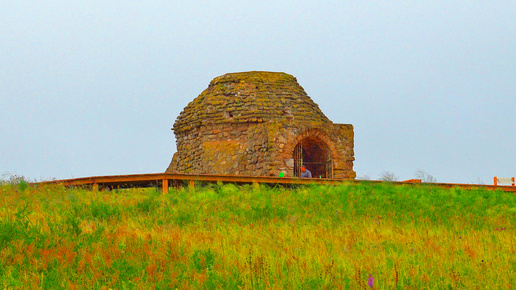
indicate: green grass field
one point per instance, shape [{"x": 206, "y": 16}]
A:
[{"x": 255, "y": 237}]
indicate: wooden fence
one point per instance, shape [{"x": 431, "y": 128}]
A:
[
  {"x": 502, "y": 180},
  {"x": 165, "y": 180}
]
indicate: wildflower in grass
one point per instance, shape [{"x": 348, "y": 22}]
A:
[{"x": 370, "y": 281}]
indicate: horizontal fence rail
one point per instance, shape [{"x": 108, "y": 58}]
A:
[{"x": 165, "y": 180}]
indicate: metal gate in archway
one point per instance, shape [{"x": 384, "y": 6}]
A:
[{"x": 316, "y": 156}]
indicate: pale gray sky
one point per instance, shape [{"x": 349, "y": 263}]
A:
[{"x": 93, "y": 87}]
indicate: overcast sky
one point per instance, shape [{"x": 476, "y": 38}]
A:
[{"x": 93, "y": 87}]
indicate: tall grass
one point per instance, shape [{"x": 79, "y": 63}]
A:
[{"x": 257, "y": 237}]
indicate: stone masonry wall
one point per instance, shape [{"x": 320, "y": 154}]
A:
[
  {"x": 230, "y": 149},
  {"x": 258, "y": 149}
]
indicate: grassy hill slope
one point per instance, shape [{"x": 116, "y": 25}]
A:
[{"x": 257, "y": 237}]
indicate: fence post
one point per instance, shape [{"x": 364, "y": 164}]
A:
[
  {"x": 495, "y": 181},
  {"x": 513, "y": 181},
  {"x": 165, "y": 186},
  {"x": 192, "y": 184}
]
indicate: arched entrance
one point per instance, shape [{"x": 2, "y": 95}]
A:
[{"x": 315, "y": 155}]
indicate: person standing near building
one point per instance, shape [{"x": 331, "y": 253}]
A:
[{"x": 305, "y": 173}]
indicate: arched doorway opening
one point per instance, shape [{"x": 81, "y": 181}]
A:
[{"x": 315, "y": 155}]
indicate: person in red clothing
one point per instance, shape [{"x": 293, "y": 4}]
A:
[{"x": 305, "y": 173}]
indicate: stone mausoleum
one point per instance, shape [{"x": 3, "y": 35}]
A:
[{"x": 260, "y": 124}]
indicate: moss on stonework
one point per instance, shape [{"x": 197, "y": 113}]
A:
[
  {"x": 248, "y": 123},
  {"x": 221, "y": 157},
  {"x": 248, "y": 96}
]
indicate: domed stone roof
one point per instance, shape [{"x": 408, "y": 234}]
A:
[{"x": 254, "y": 96}]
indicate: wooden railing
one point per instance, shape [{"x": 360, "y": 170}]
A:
[
  {"x": 506, "y": 180},
  {"x": 165, "y": 180}
]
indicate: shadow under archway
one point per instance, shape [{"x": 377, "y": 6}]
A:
[{"x": 315, "y": 155}]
